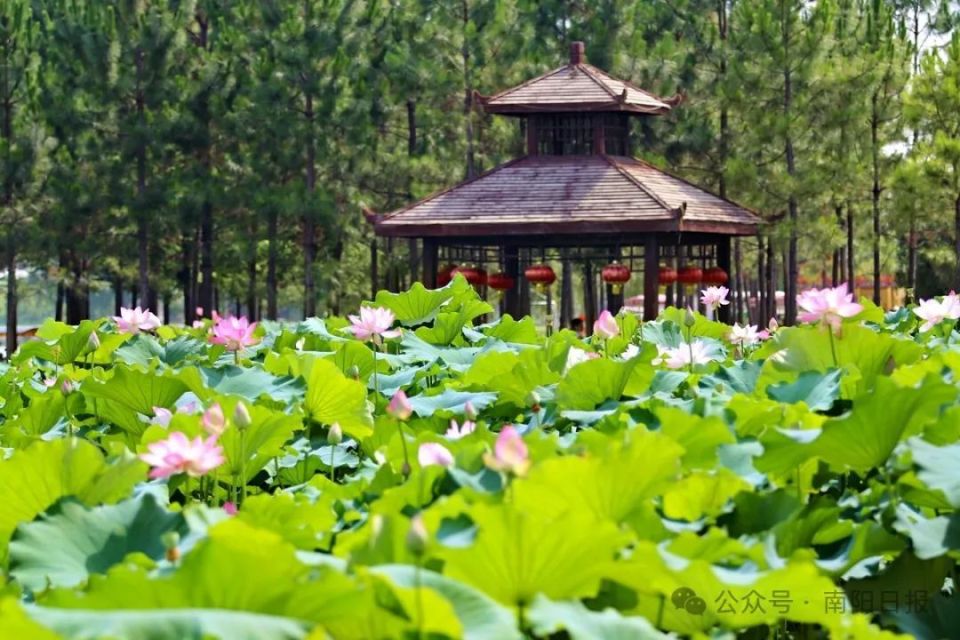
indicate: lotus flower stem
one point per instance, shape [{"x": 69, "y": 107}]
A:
[
  {"x": 419, "y": 591},
  {"x": 243, "y": 468},
  {"x": 333, "y": 449},
  {"x": 833, "y": 348},
  {"x": 236, "y": 357},
  {"x": 406, "y": 456}
]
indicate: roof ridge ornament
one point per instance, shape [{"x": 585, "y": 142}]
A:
[{"x": 577, "y": 53}]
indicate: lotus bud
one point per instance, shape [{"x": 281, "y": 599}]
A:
[
  {"x": 67, "y": 386},
  {"x": 689, "y": 319},
  {"x": 399, "y": 406},
  {"x": 405, "y": 469},
  {"x": 93, "y": 342},
  {"x": 213, "y": 419},
  {"x": 300, "y": 344},
  {"x": 533, "y": 399},
  {"x": 773, "y": 325},
  {"x": 171, "y": 542},
  {"x": 335, "y": 435},
  {"x": 469, "y": 411},
  {"x": 354, "y": 372},
  {"x": 241, "y": 416},
  {"x": 376, "y": 527},
  {"x": 417, "y": 536}
]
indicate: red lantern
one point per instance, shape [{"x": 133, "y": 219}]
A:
[
  {"x": 444, "y": 275},
  {"x": 541, "y": 275},
  {"x": 690, "y": 275},
  {"x": 616, "y": 275},
  {"x": 715, "y": 276},
  {"x": 476, "y": 277},
  {"x": 667, "y": 276},
  {"x": 501, "y": 282}
]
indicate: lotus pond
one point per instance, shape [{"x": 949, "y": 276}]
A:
[{"x": 420, "y": 473}]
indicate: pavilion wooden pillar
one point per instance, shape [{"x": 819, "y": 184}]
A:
[
  {"x": 589, "y": 298},
  {"x": 429, "y": 277},
  {"x": 511, "y": 264},
  {"x": 651, "y": 267},
  {"x": 566, "y": 292},
  {"x": 723, "y": 261}
]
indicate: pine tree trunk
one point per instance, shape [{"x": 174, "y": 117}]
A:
[
  {"x": 11, "y": 325},
  {"x": 875, "y": 152},
  {"x": 252, "y": 278},
  {"x": 761, "y": 280},
  {"x": 206, "y": 296},
  {"x": 309, "y": 226},
  {"x": 58, "y": 302},
  {"x": 912, "y": 258},
  {"x": 117, "y": 295},
  {"x": 956, "y": 239},
  {"x": 851, "y": 256},
  {"x": 143, "y": 234},
  {"x": 790, "y": 286},
  {"x": 11, "y": 345},
  {"x": 471, "y": 169},
  {"x": 272, "y": 243},
  {"x": 187, "y": 279},
  {"x": 771, "y": 281}
]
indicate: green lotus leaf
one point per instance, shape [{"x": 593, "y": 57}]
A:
[
  {"x": 548, "y": 617},
  {"x": 480, "y": 616},
  {"x": 332, "y": 397},
  {"x": 420, "y": 305},
  {"x": 518, "y": 555},
  {"x": 70, "y": 541},
  {"x": 36, "y": 477}
]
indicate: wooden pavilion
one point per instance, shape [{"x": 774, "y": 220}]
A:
[{"x": 577, "y": 196}]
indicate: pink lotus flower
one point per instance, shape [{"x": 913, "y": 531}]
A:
[
  {"x": 714, "y": 297},
  {"x": 434, "y": 453},
  {"x": 576, "y": 355},
  {"x": 133, "y": 321},
  {"x": 455, "y": 432},
  {"x": 178, "y": 454},
  {"x": 399, "y": 406},
  {"x": 373, "y": 324},
  {"x": 509, "y": 453},
  {"x": 606, "y": 326},
  {"x": 230, "y": 508},
  {"x": 827, "y": 306},
  {"x": 933, "y": 311},
  {"x": 161, "y": 417},
  {"x": 234, "y": 333},
  {"x": 214, "y": 422},
  {"x": 695, "y": 353}
]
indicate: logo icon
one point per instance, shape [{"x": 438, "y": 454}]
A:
[{"x": 687, "y": 599}]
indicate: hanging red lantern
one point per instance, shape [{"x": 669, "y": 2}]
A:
[
  {"x": 541, "y": 275},
  {"x": 501, "y": 282},
  {"x": 616, "y": 275},
  {"x": 690, "y": 275},
  {"x": 473, "y": 276},
  {"x": 715, "y": 276},
  {"x": 667, "y": 276},
  {"x": 444, "y": 275}
]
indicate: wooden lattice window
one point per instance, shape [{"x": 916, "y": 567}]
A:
[
  {"x": 616, "y": 134},
  {"x": 565, "y": 134}
]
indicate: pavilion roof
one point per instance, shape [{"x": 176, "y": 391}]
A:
[
  {"x": 576, "y": 86},
  {"x": 597, "y": 195}
]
